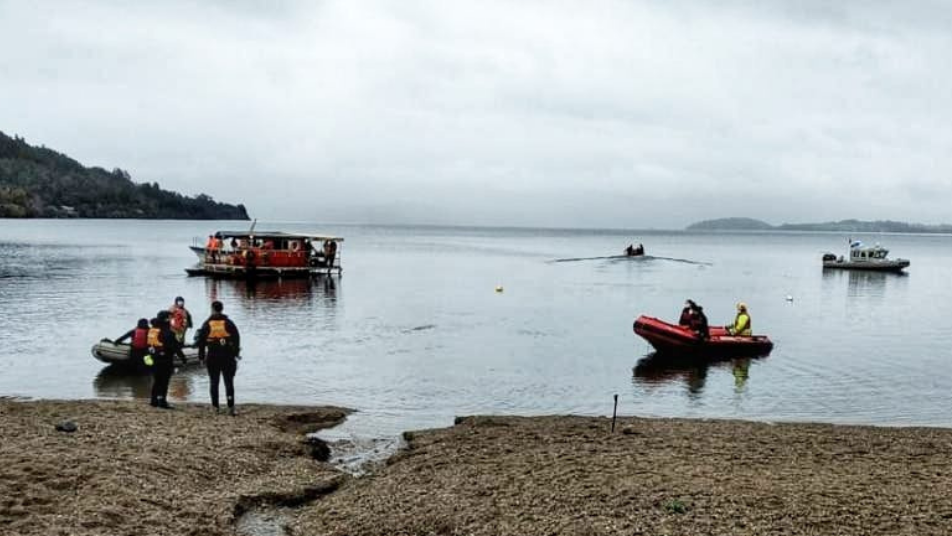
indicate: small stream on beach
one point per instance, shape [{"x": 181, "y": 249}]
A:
[{"x": 414, "y": 333}]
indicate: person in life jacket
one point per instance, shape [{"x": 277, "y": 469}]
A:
[
  {"x": 180, "y": 320},
  {"x": 163, "y": 346},
  {"x": 219, "y": 345},
  {"x": 139, "y": 343},
  {"x": 742, "y": 324}
]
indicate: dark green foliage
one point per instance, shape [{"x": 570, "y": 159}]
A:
[{"x": 36, "y": 182}]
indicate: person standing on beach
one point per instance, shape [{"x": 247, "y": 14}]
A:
[
  {"x": 163, "y": 347},
  {"x": 181, "y": 319},
  {"x": 219, "y": 337}
]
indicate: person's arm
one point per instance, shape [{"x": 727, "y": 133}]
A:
[
  {"x": 128, "y": 335},
  {"x": 174, "y": 346},
  {"x": 233, "y": 329},
  {"x": 201, "y": 338},
  {"x": 188, "y": 319}
]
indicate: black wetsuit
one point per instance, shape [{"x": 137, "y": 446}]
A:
[
  {"x": 699, "y": 324},
  {"x": 163, "y": 365},
  {"x": 220, "y": 355}
]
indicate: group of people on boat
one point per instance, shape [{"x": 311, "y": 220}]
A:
[
  {"x": 155, "y": 344},
  {"x": 632, "y": 251},
  {"x": 258, "y": 252},
  {"x": 693, "y": 317}
]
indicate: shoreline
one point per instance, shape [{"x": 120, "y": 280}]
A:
[{"x": 130, "y": 468}]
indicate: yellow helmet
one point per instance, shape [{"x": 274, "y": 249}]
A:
[{"x": 741, "y": 306}]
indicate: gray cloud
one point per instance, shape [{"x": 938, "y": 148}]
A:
[{"x": 646, "y": 114}]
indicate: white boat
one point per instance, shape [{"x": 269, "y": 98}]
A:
[
  {"x": 871, "y": 258},
  {"x": 118, "y": 354}
]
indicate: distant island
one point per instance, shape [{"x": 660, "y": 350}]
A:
[
  {"x": 36, "y": 182},
  {"x": 851, "y": 226}
]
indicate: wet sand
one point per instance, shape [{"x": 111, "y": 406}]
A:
[
  {"x": 131, "y": 469},
  {"x": 568, "y": 475}
]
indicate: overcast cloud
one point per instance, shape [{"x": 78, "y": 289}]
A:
[{"x": 604, "y": 113}]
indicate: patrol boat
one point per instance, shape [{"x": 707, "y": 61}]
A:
[
  {"x": 267, "y": 255},
  {"x": 869, "y": 258}
]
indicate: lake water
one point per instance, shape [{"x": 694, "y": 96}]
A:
[{"x": 414, "y": 332}]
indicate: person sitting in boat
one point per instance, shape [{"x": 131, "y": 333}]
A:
[
  {"x": 140, "y": 341},
  {"x": 630, "y": 250},
  {"x": 742, "y": 324}
]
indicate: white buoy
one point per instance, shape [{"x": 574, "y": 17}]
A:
[
  {"x": 789, "y": 297},
  {"x": 499, "y": 288}
]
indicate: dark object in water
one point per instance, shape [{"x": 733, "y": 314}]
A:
[
  {"x": 317, "y": 448},
  {"x": 67, "y": 426},
  {"x": 680, "y": 341},
  {"x": 632, "y": 251}
]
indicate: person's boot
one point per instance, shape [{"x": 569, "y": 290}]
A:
[
  {"x": 154, "y": 403},
  {"x": 164, "y": 404}
]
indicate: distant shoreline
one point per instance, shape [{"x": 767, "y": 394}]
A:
[{"x": 842, "y": 226}]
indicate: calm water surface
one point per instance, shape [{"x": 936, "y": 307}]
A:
[{"x": 414, "y": 332}]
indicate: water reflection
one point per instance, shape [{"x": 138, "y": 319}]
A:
[
  {"x": 654, "y": 370},
  {"x": 863, "y": 283},
  {"x": 122, "y": 382},
  {"x": 290, "y": 292}
]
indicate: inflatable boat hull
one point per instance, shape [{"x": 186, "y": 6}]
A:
[
  {"x": 118, "y": 354},
  {"x": 679, "y": 341}
]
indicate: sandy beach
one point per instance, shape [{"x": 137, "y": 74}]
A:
[
  {"x": 568, "y": 475},
  {"x": 130, "y": 469}
]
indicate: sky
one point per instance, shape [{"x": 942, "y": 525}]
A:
[{"x": 620, "y": 114}]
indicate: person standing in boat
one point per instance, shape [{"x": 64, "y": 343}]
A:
[
  {"x": 181, "y": 319},
  {"x": 163, "y": 347},
  {"x": 742, "y": 323},
  {"x": 330, "y": 252},
  {"x": 698, "y": 322},
  {"x": 685, "y": 319},
  {"x": 219, "y": 345},
  {"x": 139, "y": 343}
]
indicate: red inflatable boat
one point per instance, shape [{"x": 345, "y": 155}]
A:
[{"x": 679, "y": 341}]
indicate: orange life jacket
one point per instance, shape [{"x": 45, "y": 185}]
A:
[
  {"x": 154, "y": 338},
  {"x": 217, "y": 331}
]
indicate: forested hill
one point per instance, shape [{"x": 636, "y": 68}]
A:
[{"x": 36, "y": 182}]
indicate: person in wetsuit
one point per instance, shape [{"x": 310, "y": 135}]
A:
[
  {"x": 685, "y": 319},
  {"x": 163, "y": 347},
  {"x": 219, "y": 345},
  {"x": 139, "y": 342},
  {"x": 699, "y": 324}
]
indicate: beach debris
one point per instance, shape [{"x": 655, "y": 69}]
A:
[
  {"x": 317, "y": 448},
  {"x": 67, "y": 426}
]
